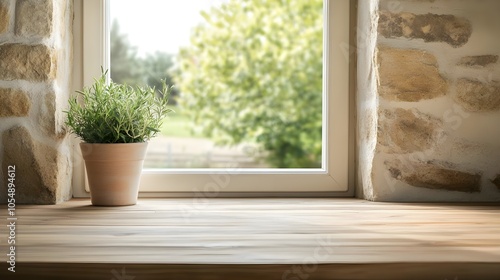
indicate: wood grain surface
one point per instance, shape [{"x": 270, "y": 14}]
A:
[{"x": 274, "y": 238}]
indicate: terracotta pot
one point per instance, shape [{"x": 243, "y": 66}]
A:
[{"x": 114, "y": 172}]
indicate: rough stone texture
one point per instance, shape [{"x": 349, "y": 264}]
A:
[
  {"x": 441, "y": 145},
  {"x": 61, "y": 18},
  {"x": 36, "y": 166},
  {"x": 23, "y": 62},
  {"x": 35, "y": 63},
  {"x": 407, "y": 131},
  {"x": 409, "y": 75},
  {"x": 4, "y": 16},
  {"x": 429, "y": 27},
  {"x": 478, "y": 61},
  {"x": 434, "y": 175},
  {"x": 14, "y": 103},
  {"x": 366, "y": 124},
  {"x": 48, "y": 121},
  {"x": 34, "y": 18},
  {"x": 496, "y": 181},
  {"x": 476, "y": 96}
]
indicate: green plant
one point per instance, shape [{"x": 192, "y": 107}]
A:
[
  {"x": 260, "y": 64},
  {"x": 117, "y": 113}
]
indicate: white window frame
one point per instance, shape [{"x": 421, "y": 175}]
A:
[{"x": 335, "y": 178}]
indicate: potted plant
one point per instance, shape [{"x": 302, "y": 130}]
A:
[{"x": 115, "y": 122}]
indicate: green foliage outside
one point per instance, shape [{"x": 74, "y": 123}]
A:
[
  {"x": 253, "y": 73},
  {"x": 179, "y": 125},
  {"x": 117, "y": 113},
  {"x": 128, "y": 68}
]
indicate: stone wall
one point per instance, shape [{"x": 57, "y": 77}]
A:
[
  {"x": 35, "y": 75},
  {"x": 429, "y": 100}
]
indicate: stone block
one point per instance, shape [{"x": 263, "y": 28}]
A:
[
  {"x": 36, "y": 167},
  {"x": 14, "y": 103},
  {"x": 34, "y": 18},
  {"x": 4, "y": 16},
  {"x": 432, "y": 175},
  {"x": 496, "y": 181},
  {"x": 477, "y": 96},
  {"x": 25, "y": 62},
  {"x": 407, "y": 131},
  {"x": 478, "y": 61},
  {"x": 51, "y": 119},
  {"x": 449, "y": 29},
  {"x": 409, "y": 75}
]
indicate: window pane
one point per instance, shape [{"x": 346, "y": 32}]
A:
[{"x": 247, "y": 75}]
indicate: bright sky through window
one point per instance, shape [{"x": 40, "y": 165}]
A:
[{"x": 184, "y": 19}]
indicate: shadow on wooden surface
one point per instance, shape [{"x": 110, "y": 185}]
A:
[{"x": 117, "y": 271}]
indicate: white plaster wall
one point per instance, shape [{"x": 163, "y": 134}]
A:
[{"x": 367, "y": 100}]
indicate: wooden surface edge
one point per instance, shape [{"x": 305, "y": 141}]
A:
[{"x": 117, "y": 271}]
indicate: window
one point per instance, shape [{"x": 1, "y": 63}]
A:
[
  {"x": 248, "y": 77},
  {"x": 330, "y": 175}
]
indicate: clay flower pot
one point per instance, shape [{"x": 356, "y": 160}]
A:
[{"x": 114, "y": 172}]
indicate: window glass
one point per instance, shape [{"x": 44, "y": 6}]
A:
[{"x": 247, "y": 76}]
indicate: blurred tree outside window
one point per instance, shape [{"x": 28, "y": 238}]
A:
[{"x": 248, "y": 82}]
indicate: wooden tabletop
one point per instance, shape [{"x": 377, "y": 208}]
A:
[{"x": 307, "y": 232}]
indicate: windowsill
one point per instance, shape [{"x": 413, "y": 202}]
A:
[{"x": 255, "y": 233}]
